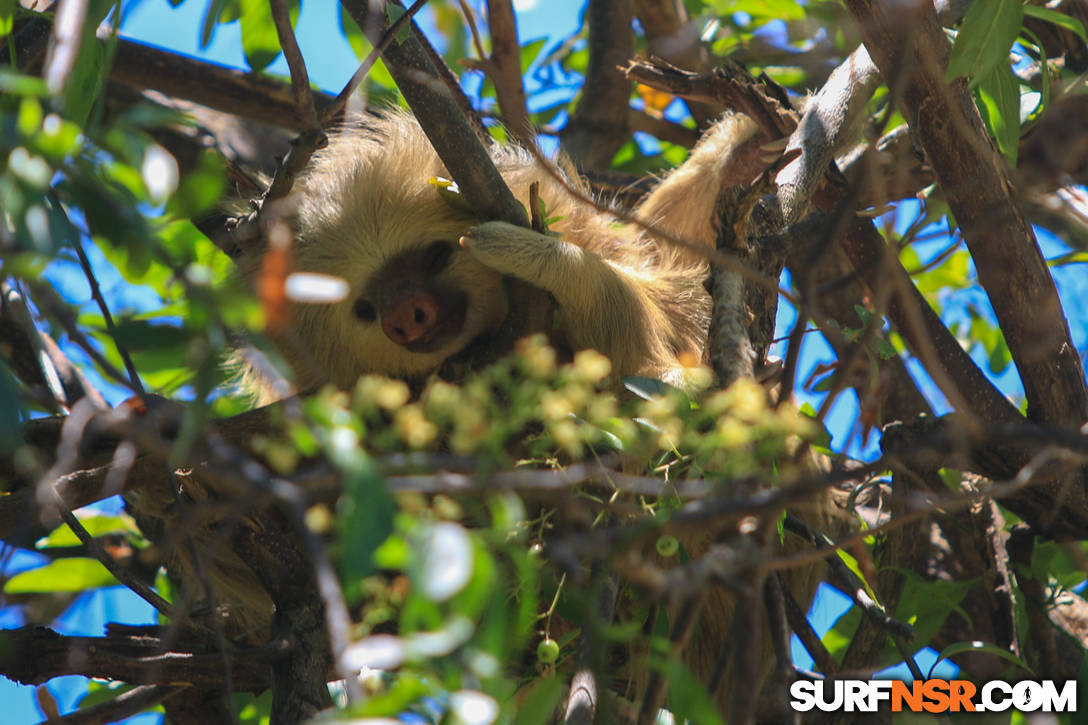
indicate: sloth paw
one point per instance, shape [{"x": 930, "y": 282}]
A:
[{"x": 517, "y": 251}]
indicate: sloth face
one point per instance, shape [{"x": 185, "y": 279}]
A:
[
  {"x": 366, "y": 212},
  {"x": 416, "y": 296}
]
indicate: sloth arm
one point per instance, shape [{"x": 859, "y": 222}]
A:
[
  {"x": 603, "y": 306},
  {"x": 683, "y": 203}
]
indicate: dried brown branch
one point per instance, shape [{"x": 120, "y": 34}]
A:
[
  {"x": 813, "y": 644},
  {"x": 674, "y": 36},
  {"x": 774, "y": 596}
]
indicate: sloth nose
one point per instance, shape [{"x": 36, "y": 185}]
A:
[{"x": 411, "y": 319}]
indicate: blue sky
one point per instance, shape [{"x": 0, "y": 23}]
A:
[{"x": 330, "y": 63}]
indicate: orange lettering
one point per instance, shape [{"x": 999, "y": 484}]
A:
[
  {"x": 911, "y": 694},
  {"x": 961, "y": 692},
  {"x": 936, "y": 694}
]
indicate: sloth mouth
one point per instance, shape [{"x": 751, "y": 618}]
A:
[{"x": 449, "y": 326}]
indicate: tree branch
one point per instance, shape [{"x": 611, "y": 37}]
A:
[
  {"x": 906, "y": 41},
  {"x": 598, "y": 126},
  {"x": 33, "y": 655}
]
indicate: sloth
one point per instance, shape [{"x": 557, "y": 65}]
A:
[{"x": 426, "y": 279}]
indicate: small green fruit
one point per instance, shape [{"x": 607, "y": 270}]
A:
[
  {"x": 547, "y": 651},
  {"x": 667, "y": 545}
]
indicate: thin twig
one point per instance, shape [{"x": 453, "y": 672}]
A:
[
  {"x": 96, "y": 293},
  {"x": 333, "y": 113},
  {"x": 300, "y": 79},
  {"x": 127, "y": 704},
  {"x": 800, "y": 625},
  {"x": 67, "y": 455}
]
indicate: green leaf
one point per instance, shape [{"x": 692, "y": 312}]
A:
[
  {"x": 63, "y": 575},
  {"x": 1068, "y": 258},
  {"x": 95, "y": 526},
  {"x": 219, "y": 11},
  {"x": 985, "y": 38},
  {"x": 365, "y": 520},
  {"x": 260, "y": 42},
  {"x": 688, "y": 698},
  {"x": 925, "y": 605},
  {"x": 648, "y": 388},
  {"x": 952, "y": 273},
  {"x": 530, "y": 49},
  {"x": 200, "y": 189},
  {"x": 538, "y": 706},
  {"x": 99, "y": 692},
  {"x": 85, "y": 81},
  {"x": 406, "y": 689},
  {"x": 958, "y": 647},
  {"x": 1057, "y": 18},
  {"x": 838, "y": 638},
  {"x": 7, "y": 16},
  {"x": 776, "y": 9},
  {"x": 394, "y": 13},
  {"x": 11, "y": 403},
  {"x": 379, "y": 74},
  {"x": 999, "y": 102}
]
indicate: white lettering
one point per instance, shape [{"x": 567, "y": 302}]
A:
[
  {"x": 855, "y": 695},
  {"x": 1064, "y": 701},
  {"x": 992, "y": 703},
  {"x": 803, "y": 693},
  {"x": 879, "y": 691},
  {"x": 1027, "y": 696}
]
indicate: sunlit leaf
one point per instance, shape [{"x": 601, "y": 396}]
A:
[
  {"x": 99, "y": 525},
  {"x": 63, "y": 575},
  {"x": 7, "y": 16},
  {"x": 776, "y": 9},
  {"x": 530, "y": 50},
  {"x": 999, "y": 102},
  {"x": 985, "y": 38},
  {"x": 260, "y": 42}
]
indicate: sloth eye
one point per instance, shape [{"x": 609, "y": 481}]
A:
[
  {"x": 436, "y": 256},
  {"x": 364, "y": 310}
]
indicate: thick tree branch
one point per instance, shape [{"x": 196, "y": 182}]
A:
[
  {"x": 442, "y": 119},
  {"x": 598, "y": 126},
  {"x": 506, "y": 61},
  {"x": 33, "y": 655},
  {"x": 907, "y": 44},
  {"x": 258, "y": 97}
]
